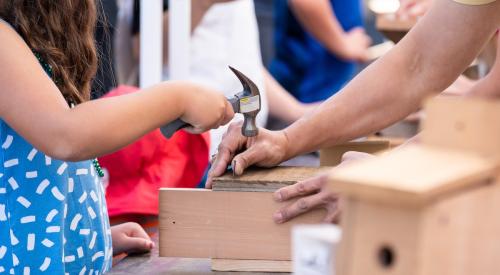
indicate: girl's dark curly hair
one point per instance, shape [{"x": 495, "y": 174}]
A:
[{"x": 62, "y": 33}]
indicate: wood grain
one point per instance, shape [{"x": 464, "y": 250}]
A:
[
  {"x": 367, "y": 229},
  {"x": 333, "y": 156},
  {"x": 226, "y": 265},
  {"x": 393, "y": 28},
  {"x": 266, "y": 180},
  {"x": 412, "y": 175},
  {"x": 463, "y": 124},
  {"x": 197, "y": 223}
]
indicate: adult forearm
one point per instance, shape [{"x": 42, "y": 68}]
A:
[
  {"x": 91, "y": 129},
  {"x": 425, "y": 62}
]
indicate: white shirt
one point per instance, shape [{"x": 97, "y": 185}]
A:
[{"x": 228, "y": 35}]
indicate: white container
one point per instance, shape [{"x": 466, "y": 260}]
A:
[{"x": 313, "y": 249}]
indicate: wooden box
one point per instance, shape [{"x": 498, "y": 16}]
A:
[{"x": 430, "y": 208}]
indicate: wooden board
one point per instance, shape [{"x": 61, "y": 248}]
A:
[
  {"x": 226, "y": 265},
  {"x": 412, "y": 175},
  {"x": 463, "y": 124},
  {"x": 367, "y": 229},
  {"x": 197, "y": 223},
  {"x": 460, "y": 234},
  {"x": 394, "y": 28},
  {"x": 333, "y": 156},
  {"x": 266, "y": 180}
]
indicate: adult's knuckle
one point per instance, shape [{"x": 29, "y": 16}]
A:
[
  {"x": 301, "y": 187},
  {"x": 303, "y": 204},
  {"x": 285, "y": 214}
]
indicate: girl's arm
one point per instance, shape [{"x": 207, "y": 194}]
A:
[{"x": 34, "y": 107}]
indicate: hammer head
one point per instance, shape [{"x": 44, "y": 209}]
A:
[{"x": 247, "y": 103}]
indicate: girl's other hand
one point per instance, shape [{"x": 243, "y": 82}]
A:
[
  {"x": 205, "y": 109},
  {"x": 130, "y": 238}
]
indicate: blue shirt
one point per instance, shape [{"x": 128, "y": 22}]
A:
[{"x": 302, "y": 65}]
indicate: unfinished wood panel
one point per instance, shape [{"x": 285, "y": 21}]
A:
[
  {"x": 378, "y": 239},
  {"x": 198, "y": 223},
  {"x": 333, "y": 156},
  {"x": 251, "y": 266},
  {"x": 266, "y": 180},
  {"x": 393, "y": 28},
  {"x": 412, "y": 175},
  {"x": 460, "y": 235},
  {"x": 463, "y": 124}
]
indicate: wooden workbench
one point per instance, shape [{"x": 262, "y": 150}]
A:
[{"x": 151, "y": 263}]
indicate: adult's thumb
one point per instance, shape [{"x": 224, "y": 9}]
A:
[{"x": 245, "y": 159}]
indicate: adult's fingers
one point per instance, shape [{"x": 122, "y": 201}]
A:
[
  {"x": 303, "y": 205},
  {"x": 231, "y": 143},
  {"x": 306, "y": 187},
  {"x": 250, "y": 156}
]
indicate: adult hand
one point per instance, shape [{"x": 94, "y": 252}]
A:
[
  {"x": 267, "y": 149},
  {"x": 130, "y": 238},
  {"x": 205, "y": 109},
  {"x": 355, "y": 45},
  {"x": 413, "y": 8},
  {"x": 312, "y": 194}
]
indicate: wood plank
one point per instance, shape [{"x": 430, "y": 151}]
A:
[
  {"x": 412, "y": 175},
  {"x": 463, "y": 124},
  {"x": 266, "y": 180},
  {"x": 227, "y": 265},
  {"x": 333, "y": 156},
  {"x": 389, "y": 22},
  {"x": 196, "y": 223},
  {"x": 393, "y": 28}
]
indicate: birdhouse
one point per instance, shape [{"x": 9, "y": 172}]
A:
[{"x": 429, "y": 208}]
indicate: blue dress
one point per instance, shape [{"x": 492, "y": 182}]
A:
[
  {"x": 302, "y": 65},
  {"x": 53, "y": 216}
]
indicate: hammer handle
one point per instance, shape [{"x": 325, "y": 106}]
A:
[{"x": 169, "y": 130}]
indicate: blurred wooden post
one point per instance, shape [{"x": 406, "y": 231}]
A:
[
  {"x": 179, "y": 38},
  {"x": 151, "y": 53}
]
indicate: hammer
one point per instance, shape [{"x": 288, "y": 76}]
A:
[{"x": 246, "y": 102}]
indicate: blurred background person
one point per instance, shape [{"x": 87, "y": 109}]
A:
[{"x": 317, "y": 45}]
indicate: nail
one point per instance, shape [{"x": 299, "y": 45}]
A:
[{"x": 234, "y": 167}]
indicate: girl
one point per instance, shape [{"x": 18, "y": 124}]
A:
[{"x": 53, "y": 216}]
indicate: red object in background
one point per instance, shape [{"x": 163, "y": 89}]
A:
[{"x": 137, "y": 171}]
